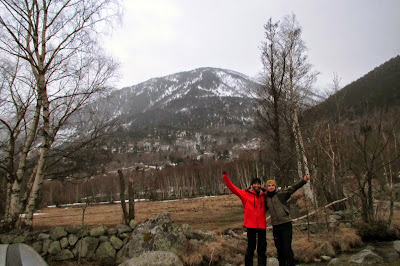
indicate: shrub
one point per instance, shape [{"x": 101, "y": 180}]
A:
[{"x": 378, "y": 230}]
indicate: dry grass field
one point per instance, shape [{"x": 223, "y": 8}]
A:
[{"x": 208, "y": 213}]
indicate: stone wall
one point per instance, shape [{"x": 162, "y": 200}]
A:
[{"x": 101, "y": 243}]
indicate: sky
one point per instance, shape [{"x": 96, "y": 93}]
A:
[{"x": 162, "y": 37}]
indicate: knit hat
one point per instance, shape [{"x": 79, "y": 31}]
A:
[
  {"x": 256, "y": 180},
  {"x": 271, "y": 182}
]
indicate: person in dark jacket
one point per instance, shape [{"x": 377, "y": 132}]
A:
[
  {"x": 276, "y": 205},
  {"x": 254, "y": 219}
]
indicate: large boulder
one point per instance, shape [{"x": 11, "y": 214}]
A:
[
  {"x": 155, "y": 258},
  {"x": 156, "y": 234}
]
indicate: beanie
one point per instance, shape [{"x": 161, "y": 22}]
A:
[
  {"x": 256, "y": 180},
  {"x": 271, "y": 182}
]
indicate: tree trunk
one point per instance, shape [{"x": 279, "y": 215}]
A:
[
  {"x": 303, "y": 164},
  {"x": 131, "y": 196},
  {"x": 44, "y": 150},
  {"x": 122, "y": 197}
]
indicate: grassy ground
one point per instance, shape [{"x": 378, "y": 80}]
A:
[{"x": 212, "y": 213}]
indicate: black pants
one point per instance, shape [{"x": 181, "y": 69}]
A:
[
  {"x": 283, "y": 243},
  {"x": 252, "y": 238}
]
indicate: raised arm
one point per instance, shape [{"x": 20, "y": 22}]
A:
[
  {"x": 235, "y": 190},
  {"x": 292, "y": 189}
]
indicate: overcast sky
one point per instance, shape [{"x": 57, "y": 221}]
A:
[{"x": 162, "y": 37}]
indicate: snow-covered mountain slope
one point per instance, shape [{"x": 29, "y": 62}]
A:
[{"x": 203, "y": 94}]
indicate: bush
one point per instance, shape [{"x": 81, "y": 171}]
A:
[{"x": 378, "y": 230}]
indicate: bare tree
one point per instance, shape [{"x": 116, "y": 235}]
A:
[
  {"x": 271, "y": 95},
  {"x": 300, "y": 79},
  {"x": 55, "y": 44},
  {"x": 287, "y": 79},
  {"x": 373, "y": 152}
]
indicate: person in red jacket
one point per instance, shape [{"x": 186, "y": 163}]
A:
[{"x": 254, "y": 218}]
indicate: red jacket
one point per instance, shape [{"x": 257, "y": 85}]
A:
[{"x": 254, "y": 207}]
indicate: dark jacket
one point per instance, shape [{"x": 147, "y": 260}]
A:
[
  {"x": 253, "y": 203},
  {"x": 277, "y": 204}
]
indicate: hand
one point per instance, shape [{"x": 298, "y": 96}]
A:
[
  {"x": 307, "y": 177},
  {"x": 225, "y": 174}
]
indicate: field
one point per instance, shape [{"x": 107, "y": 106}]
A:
[{"x": 208, "y": 213}]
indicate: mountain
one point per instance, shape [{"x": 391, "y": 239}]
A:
[
  {"x": 203, "y": 110},
  {"x": 378, "y": 88}
]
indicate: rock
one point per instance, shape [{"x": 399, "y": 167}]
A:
[
  {"x": 206, "y": 236},
  {"x": 73, "y": 229},
  {"x": 111, "y": 231},
  {"x": 7, "y": 239},
  {"x": 187, "y": 231},
  {"x": 38, "y": 246},
  {"x": 272, "y": 262},
  {"x": 64, "y": 254},
  {"x": 19, "y": 239},
  {"x": 387, "y": 251},
  {"x": 366, "y": 256},
  {"x": 339, "y": 213},
  {"x": 46, "y": 245},
  {"x": 58, "y": 232},
  {"x": 64, "y": 242},
  {"x": 396, "y": 245},
  {"x": 133, "y": 224},
  {"x": 326, "y": 258},
  {"x": 155, "y": 258},
  {"x": 43, "y": 236},
  {"x": 334, "y": 218},
  {"x": 103, "y": 238},
  {"x": 87, "y": 246},
  {"x": 75, "y": 252},
  {"x": 116, "y": 242},
  {"x": 72, "y": 239},
  {"x": 336, "y": 261},
  {"x": 123, "y": 228},
  {"x": 124, "y": 235},
  {"x": 83, "y": 232},
  {"x": 98, "y": 231},
  {"x": 105, "y": 250},
  {"x": 54, "y": 248},
  {"x": 156, "y": 234}
]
